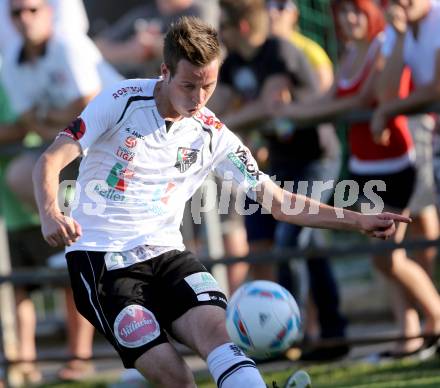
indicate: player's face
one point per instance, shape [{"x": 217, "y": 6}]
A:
[
  {"x": 190, "y": 88},
  {"x": 32, "y": 18},
  {"x": 353, "y": 22},
  {"x": 414, "y": 9}
]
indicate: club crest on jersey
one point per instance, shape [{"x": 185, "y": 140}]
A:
[{"x": 186, "y": 157}]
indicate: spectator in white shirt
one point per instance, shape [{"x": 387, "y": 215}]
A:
[
  {"x": 48, "y": 77},
  {"x": 67, "y": 13}
]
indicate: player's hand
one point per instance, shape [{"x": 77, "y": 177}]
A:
[
  {"x": 381, "y": 225},
  {"x": 59, "y": 230},
  {"x": 396, "y": 16}
]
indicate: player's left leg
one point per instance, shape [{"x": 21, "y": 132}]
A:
[{"x": 203, "y": 329}]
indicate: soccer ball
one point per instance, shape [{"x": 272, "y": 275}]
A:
[{"x": 263, "y": 318}]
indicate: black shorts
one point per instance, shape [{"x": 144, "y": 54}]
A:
[
  {"x": 399, "y": 186},
  {"x": 134, "y": 306}
]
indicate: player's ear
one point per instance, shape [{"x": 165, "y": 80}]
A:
[{"x": 165, "y": 72}]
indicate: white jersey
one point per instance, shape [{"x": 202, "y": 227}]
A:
[
  {"x": 68, "y": 69},
  {"x": 136, "y": 174}
]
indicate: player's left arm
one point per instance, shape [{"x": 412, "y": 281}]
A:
[{"x": 301, "y": 210}]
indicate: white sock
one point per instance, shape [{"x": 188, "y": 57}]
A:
[{"x": 230, "y": 368}]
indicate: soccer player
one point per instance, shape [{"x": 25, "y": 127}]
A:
[{"x": 148, "y": 144}]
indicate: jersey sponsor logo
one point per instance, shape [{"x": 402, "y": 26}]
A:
[
  {"x": 125, "y": 154},
  {"x": 130, "y": 142},
  {"x": 135, "y": 326},
  {"x": 126, "y": 91},
  {"x": 202, "y": 282},
  {"x": 76, "y": 129},
  {"x": 109, "y": 193},
  {"x": 135, "y": 133},
  {"x": 240, "y": 159},
  {"x": 164, "y": 195},
  {"x": 186, "y": 157},
  {"x": 159, "y": 200},
  {"x": 210, "y": 120},
  {"x": 119, "y": 177}
]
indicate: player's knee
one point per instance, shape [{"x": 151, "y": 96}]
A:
[{"x": 216, "y": 335}]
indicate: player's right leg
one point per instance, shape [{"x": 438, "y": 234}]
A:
[{"x": 121, "y": 305}]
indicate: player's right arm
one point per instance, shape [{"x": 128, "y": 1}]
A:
[
  {"x": 311, "y": 213},
  {"x": 57, "y": 229}
]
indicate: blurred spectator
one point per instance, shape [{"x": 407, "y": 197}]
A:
[
  {"x": 67, "y": 13},
  {"x": 388, "y": 158},
  {"x": 136, "y": 38},
  {"x": 104, "y": 13},
  {"x": 48, "y": 77},
  {"x": 256, "y": 65},
  {"x": 412, "y": 39},
  {"x": 284, "y": 16}
]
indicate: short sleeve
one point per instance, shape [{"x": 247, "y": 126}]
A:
[{"x": 100, "y": 116}]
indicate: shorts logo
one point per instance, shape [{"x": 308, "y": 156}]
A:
[
  {"x": 202, "y": 282},
  {"x": 135, "y": 326},
  {"x": 76, "y": 129},
  {"x": 130, "y": 142},
  {"x": 186, "y": 157}
]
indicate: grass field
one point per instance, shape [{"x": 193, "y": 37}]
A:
[{"x": 347, "y": 375}]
